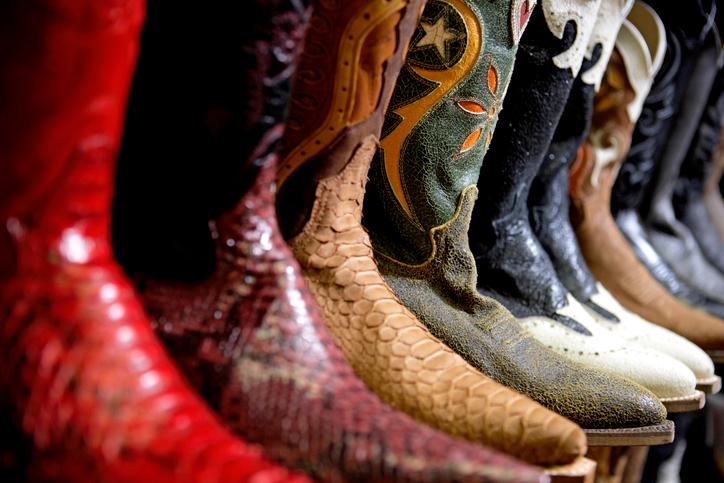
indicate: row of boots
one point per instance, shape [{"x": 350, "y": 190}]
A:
[{"x": 371, "y": 240}]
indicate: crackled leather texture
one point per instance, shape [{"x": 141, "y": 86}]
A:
[
  {"x": 420, "y": 170},
  {"x": 607, "y": 252},
  {"x": 387, "y": 346},
  {"x": 441, "y": 292},
  {"x": 661, "y": 374},
  {"x": 548, "y": 199},
  {"x": 688, "y": 197},
  {"x": 392, "y": 351},
  {"x": 252, "y": 339},
  {"x": 512, "y": 265},
  {"x": 97, "y": 395},
  {"x": 430, "y": 267},
  {"x": 395, "y": 354}
]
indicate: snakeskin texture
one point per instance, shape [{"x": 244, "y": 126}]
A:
[
  {"x": 394, "y": 353},
  {"x": 85, "y": 377},
  {"x": 441, "y": 130},
  {"x": 253, "y": 341},
  {"x": 382, "y": 340}
]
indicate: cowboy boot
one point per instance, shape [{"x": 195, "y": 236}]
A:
[
  {"x": 392, "y": 351},
  {"x": 92, "y": 387},
  {"x": 548, "y": 199},
  {"x": 712, "y": 196},
  {"x": 635, "y": 175},
  {"x": 604, "y": 247},
  {"x": 512, "y": 264},
  {"x": 671, "y": 239},
  {"x": 252, "y": 339},
  {"x": 445, "y": 105},
  {"x": 549, "y": 206},
  {"x": 688, "y": 197},
  {"x": 631, "y": 190}
]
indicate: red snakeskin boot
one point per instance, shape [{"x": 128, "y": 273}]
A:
[
  {"x": 83, "y": 374},
  {"x": 252, "y": 340}
]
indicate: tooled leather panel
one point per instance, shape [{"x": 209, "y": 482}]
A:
[
  {"x": 91, "y": 385},
  {"x": 686, "y": 30},
  {"x": 352, "y": 54},
  {"x": 253, "y": 341},
  {"x": 441, "y": 293},
  {"x": 395, "y": 354},
  {"x": 509, "y": 258},
  {"x": 456, "y": 75}
]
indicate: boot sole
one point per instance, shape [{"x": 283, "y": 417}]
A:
[
  {"x": 685, "y": 403},
  {"x": 711, "y": 385},
  {"x": 582, "y": 470},
  {"x": 643, "y": 436}
]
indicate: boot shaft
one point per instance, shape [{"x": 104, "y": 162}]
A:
[
  {"x": 65, "y": 82},
  {"x": 441, "y": 119},
  {"x": 351, "y": 58}
]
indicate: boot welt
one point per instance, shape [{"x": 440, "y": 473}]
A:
[
  {"x": 581, "y": 470},
  {"x": 709, "y": 385},
  {"x": 643, "y": 436},
  {"x": 684, "y": 404}
]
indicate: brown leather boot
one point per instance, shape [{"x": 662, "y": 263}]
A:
[
  {"x": 391, "y": 350},
  {"x": 607, "y": 252}
]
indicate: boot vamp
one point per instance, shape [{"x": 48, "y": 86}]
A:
[
  {"x": 697, "y": 220},
  {"x": 491, "y": 339},
  {"x": 663, "y": 375},
  {"x": 683, "y": 255}
]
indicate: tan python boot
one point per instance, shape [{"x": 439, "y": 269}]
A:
[{"x": 392, "y": 351}]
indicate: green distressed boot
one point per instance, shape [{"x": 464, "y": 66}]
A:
[{"x": 418, "y": 205}]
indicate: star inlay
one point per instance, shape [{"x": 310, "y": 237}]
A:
[{"x": 437, "y": 35}]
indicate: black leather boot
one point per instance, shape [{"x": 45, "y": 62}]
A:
[
  {"x": 672, "y": 239},
  {"x": 631, "y": 190},
  {"x": 512, "y": 265},
  {"x": 689, "y": 193}
]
